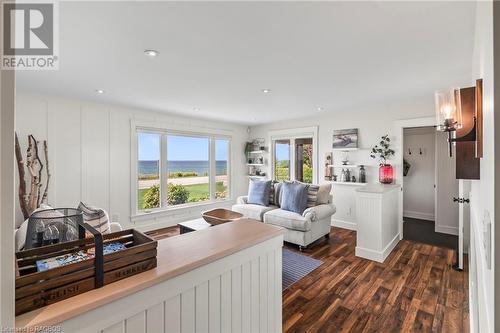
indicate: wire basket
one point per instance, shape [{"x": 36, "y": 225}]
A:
[{"x": 52, "y": 226}]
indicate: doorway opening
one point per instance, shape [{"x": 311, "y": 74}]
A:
[{"x": 429, "y": 183}]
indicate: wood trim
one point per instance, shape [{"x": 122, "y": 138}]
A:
[
  {"x": 479, "y": 118},
  {"x": 467, "y": 165},
  {"x": 176, "y": 255}
]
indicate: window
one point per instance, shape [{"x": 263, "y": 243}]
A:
[
  {"x": 148, "y": 170},
  {"x": 294, "y": 154},
  {"x": 282, "y": 160},
  {"x": 303, "y": 158},
  {"x": 175, "y": 169},
  {"x": 188, "y": 169},
  {"x": 221, "y": 169}
]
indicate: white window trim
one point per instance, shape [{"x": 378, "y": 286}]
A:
[
  {"x": 162, "y": 128},
  {"x": 292, "y": 134}
]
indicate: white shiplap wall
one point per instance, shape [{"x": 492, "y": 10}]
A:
[
  {"x": 90, "y": 149},
  {"x": 238, "y": 293}
]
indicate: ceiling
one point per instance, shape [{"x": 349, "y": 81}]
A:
[{"x": 215, "y": 58}]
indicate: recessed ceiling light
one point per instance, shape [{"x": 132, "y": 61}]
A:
[
  {"x": 196, "y": 109},
  {"x": 266, "y": 91},
  {"x": 151, "y": 53},
  {"x": 99, "y": 91},
  {"x": 320, "y": 108}
]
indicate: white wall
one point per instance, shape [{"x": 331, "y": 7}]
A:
[
  {"x": 7, "y": 121},
  {"x": 89, "y": 153},
  {"x": 482, "y": 198},
  {"x": 372, "y": 123},
  {"x": 418, "y": 186}
]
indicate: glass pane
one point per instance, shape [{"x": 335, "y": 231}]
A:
[
  {"x": 282, "y": 160},
  {"x": 221, "y": 168},
  {"x": 148, "y": 170},
  {"x": 303, "y": 165},
  {"x": 187, "y": 170}
]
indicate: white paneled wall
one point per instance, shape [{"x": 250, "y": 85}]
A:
[
  {"x": 238, "y": 293},
  {"x": 90, "y": 149},
  {"x": 419, "y": 191}
]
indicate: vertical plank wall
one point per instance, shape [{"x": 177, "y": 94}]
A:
[
  {"x": 221, "y": 304},
  {"x": 238, "y": 293}
]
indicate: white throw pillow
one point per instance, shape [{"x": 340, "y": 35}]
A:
[
  {"x": 96, "y": 217},
  {"x": 20, "y": 233},
  {"x": 323, "y": 196}
]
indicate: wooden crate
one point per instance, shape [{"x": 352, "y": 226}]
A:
[{"x": 37, "y": 289}]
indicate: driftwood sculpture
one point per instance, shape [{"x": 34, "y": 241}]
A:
[{"x": 32, "y": 200}]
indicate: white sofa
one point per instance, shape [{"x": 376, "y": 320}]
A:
[{"x": 301, "y": 230}]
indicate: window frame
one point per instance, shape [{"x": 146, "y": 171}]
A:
[
  {"x": 164, "y": 130},
  {"x": 293, "y": 134}
]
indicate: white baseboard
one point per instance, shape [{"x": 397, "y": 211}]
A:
[
  {"x": 419, "y": 215},
  {"x": 446, "y": 230},
  {"x": 343, "y": 224},
  {"x": 378, "y": 256}
]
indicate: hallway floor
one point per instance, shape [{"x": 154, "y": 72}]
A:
[{"x": 423, "y": 231}]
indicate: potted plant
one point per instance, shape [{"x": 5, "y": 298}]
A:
[{"x": 382, "y": 151}]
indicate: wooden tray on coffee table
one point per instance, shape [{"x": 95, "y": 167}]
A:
[{"x": 220, "y": 215}]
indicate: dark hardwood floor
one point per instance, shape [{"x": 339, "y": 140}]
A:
[{"x": 415, "y": 290}]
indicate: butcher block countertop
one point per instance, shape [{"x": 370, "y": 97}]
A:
[{"x": 176, "y": 255}]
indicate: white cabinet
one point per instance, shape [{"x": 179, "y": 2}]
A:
[{"x": 377, "y": 221}]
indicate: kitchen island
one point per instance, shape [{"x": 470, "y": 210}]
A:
[{"x": 225, "y": 278}]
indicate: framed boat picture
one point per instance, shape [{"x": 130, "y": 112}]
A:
[{"x": 345, "y": 139}]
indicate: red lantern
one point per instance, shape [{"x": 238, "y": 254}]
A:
[{"x": 386, "y": 174}]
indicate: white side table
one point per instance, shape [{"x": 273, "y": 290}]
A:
[{"x": 377, "y": 215}]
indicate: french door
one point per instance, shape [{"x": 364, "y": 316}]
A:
[{"x": 294, "y": 156}]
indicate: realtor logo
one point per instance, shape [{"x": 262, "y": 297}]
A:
[{"x": 30, "y": 36}]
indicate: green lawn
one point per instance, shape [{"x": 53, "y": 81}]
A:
[{"x": 196, "y": 191}]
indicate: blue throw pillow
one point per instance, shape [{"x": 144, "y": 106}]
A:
[
  {"x": 258, "y": 192},
  {"x": 294, "y": 197}
]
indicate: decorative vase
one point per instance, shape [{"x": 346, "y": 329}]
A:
[
  {"x": 362, "y": 174},
  {"x": 386, "y": 174}
]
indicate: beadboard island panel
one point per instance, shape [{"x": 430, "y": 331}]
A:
[{"x": 224, "y": 278}]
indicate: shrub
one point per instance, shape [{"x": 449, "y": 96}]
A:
[
  {"x": 148, "y": 177},
  {"x": 177, "y": 194},
  {"x": 281, "y": 173},
  {"x": 220, "y": 195},
  {"x": 152, "y": 197},
  {"x": 307, "y": 174},
  {"x": 181, "y": 174}
]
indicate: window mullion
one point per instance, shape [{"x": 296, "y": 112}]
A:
[
  {"x": 292, "y": 163},
  {"x": 212, "y": 168}
]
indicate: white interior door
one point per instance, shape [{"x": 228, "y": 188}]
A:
[
  {"x": 447, "y": 213},
  {"x": 463, "y": 221}
]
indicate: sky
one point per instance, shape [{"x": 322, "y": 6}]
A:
[
  {"x": 179, "y": 148},
  {"x": 282, "y": 151}
]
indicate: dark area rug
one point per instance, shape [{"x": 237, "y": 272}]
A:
[{"x": 296, "y": 266}]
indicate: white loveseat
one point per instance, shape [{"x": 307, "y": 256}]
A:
[{"x": 301, "y": 230}]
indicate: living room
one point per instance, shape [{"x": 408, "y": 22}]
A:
[{"x": 248, "y": 162}]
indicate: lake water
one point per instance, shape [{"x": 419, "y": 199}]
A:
[{"x": 200, "y": 167}]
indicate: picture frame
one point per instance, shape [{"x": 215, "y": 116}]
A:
[{"x": 345, "y": 139}]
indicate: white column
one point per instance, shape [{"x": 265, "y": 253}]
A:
[
  {"x": 377, "y": 221},
  {"x": 7, "y": 195}
]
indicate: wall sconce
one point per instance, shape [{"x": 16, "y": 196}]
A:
[{"x": 449, "y": 116}]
